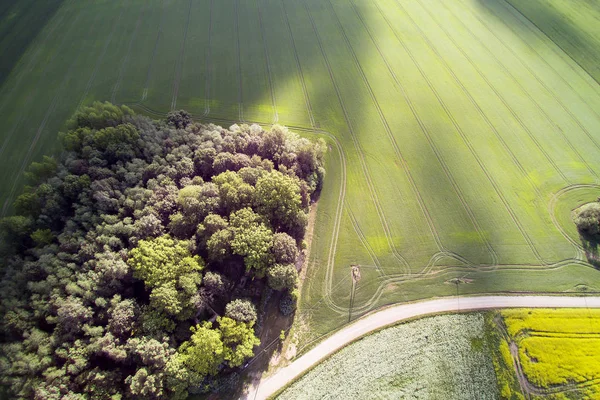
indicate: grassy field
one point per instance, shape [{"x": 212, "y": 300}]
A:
[
  {"x": 556, "y": 350},
  {"x": 434, "y": 358},
  {"x": 461, "y": 136}
]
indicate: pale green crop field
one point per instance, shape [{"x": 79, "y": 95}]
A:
[{"x": 461, "y": 135}]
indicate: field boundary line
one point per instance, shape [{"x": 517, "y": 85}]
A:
[
  {"x": 156, "y": 42},
  {"x": 125, "y": 59},
  {"x": 465, "y": 138},
  {"x": 542, "y": 59},
  {"x": 299, "y": 66},
  {"x": 91, "y": 79},
  {"x": 267, "y": 62},
  {"x": 515, "y": 80},
  {"x": 179, "y": 65},
  {"x": 403, "y": 312}
]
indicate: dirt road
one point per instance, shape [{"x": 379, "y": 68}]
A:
[{"x": 268, "y": 386}]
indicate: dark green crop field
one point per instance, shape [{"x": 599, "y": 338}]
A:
[{"x": 462, "y": 133}]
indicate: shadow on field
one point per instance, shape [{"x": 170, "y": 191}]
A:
[
  {"x": 559, "y": 29},
  {"x": 20, "y": 23}
]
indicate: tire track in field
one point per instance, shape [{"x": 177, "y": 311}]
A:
[
  {"x": 268, "y": 62},
  {"x": 49, "y": 112},
  {"x": 548, "y": 90},
  {"x": 492, "y": 127},
  {"x": 465, "y": 138},
  {"x": 582, "y": 72},
  {"x": 512, "y": 112},
  {"x": 427, "y": 134},
  {"x": 299, "y": 66},
  {"x": 508, "y": 73},
  {"x": 33, "y": 58},
  {"x": 179, "y": 65},
  {"x": 375, "y": 197},
  {"x": 236, "y": 28},
  {"x": 90, "y": 81},
  {"x": 207, "y": 66},
  {"x": 328, "y": 281},
  {"x": 363, "y": 240},
  {"x": 30, "y": 96},
  {"x": 125, "y": 59},
  {"x": 154, "y": 50}
]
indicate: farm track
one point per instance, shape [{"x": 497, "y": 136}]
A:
[
  {"x": 90, "y": 81},
  {"x": 49, "y": 111},
  {"x": 207, "y": 66},
  {"x": 153, "y": 57},
  {"x": 516, "y": 81},
  {"x": 424, "y": 130},
  {"x": 395, "y": 314},
  {"x": 467, "y": 141},
  {"x": 236, "y": 28},
  {"x": 535, "y": 75},
  {"x": 299, "y": 66},
  {"x": 267, "y": 61},
  {"x": 125, "y": 59},
  {"x": 179, "y": 65}
]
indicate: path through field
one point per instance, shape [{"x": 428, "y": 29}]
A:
[{"x": 271, "y": 385}]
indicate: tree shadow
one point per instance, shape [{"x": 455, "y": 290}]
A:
[{"x": 573, "y": 39}]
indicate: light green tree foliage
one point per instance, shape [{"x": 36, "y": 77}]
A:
[
  {"x": 234, "y": 192},
  {"x": 238, "y": 340},
  {"x": 252, "y": 240},
  {"x": 170, "y": 272},
  {"x": 587, "y": 218},
  {"x": 204, "y": 352},
  {"x": 277, "y": 197},
  {"x": 282, "y": 276}
]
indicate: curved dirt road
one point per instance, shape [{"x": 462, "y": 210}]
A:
[{"x": 268, "y": 386}]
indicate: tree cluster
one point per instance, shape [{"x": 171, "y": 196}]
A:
[{"x": 134, "y": 259}]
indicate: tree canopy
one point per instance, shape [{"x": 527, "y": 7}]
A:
[{"x": 125, "y": 246}]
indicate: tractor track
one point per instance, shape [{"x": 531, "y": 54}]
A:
[
  {"x": 180, "y": 60},
  {"x": 125, "y": 59},
  {"x": 512, "y": 77},
  {"x": 363, "y": 240},
  {"x": 90, "y": 81},
  {"x": 541, "y": 82},
  {"x": 467, "y": 141},
  {"x": 208, "y": 66},
  {"x": 299, "y": 66},
  {"x": 267, "y": 62},
  {"x": 426, "y": 133},
  {"x": 236, "y": 28},
  {"x": 154, "y": 50}
]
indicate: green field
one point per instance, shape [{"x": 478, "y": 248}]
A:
[{"x": 461, "y": 135}]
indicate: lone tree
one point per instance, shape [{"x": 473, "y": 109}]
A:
[{"x": 587, "y": 219}]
